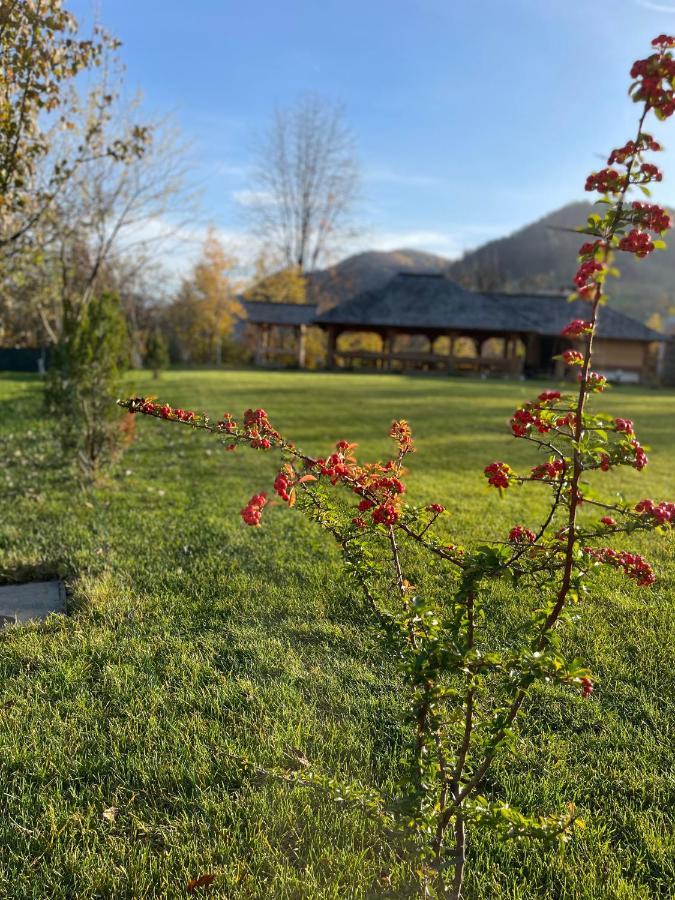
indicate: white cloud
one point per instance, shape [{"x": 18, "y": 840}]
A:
[
  {"x": 177, "y": 246},
  {"x": 657, "y": 7},
  {"x": 450, "y": 243},
  {"x": 248, "y": 197},
  {"x": 439, "y": 242}
]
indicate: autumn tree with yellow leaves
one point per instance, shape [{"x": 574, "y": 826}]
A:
[{"x": 205, "y": 310}]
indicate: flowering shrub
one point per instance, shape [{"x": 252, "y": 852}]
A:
[{"x": 464, "y": 694}]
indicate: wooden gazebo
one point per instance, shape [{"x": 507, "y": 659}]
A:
[
  {"x": 264, "y": 318},
  {"x": 521, "y": 332}
]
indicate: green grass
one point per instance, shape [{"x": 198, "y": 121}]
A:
[{"x": 193, "y": 640}]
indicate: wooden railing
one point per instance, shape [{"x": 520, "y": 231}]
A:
[{"x": 408, "y": 359}]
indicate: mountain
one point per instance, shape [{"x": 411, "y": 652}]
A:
[
  {"x": 538, "y": 257},
  {"x": 367, "y": 271},
  {"x": 542, "y": 256}
]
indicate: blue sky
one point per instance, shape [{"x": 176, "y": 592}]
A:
[{"x": 470, "y": 119}]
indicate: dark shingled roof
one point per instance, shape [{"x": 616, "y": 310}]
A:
[
  {"x": 434, "y": 302},
  {"x": 549, "y": 315},
  {"x": 261, "y": 312}
]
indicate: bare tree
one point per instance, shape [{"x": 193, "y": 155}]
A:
[
  {"x": 305, "y": 184},
  {"x": 104, "y": 230},
  {"x": 41, "y": 54}
]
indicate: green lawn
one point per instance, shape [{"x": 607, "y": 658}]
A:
[{"x": 194, "y": 640}]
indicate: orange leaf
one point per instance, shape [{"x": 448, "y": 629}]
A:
[
  {"x": 306, "y": 478},
  {"x": 202, "y": 881},
  {"x": 291, "y": 498}
]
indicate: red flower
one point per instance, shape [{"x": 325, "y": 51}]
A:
[
  {"x": 650, "y": 172},
  {"x": 633, "y": 565},
  {"x": 253, "y": 509},
  {"x": 595, "y": 381},
  {"x": 435, "y": 508},
  {"x": 641, "y": 458},
  {"x": 401, "y": 433},
  {"x": 608, "y": 521},
  {"x": 577, "y": 328},
  {"x": 385, "y": 514},
  {"x": 663, "y": 41},
  {"x": 551, "y": 469},
  {"x": 573, "y": 358},
  {"x": 586, "y": 278},
  {"x": 521, "y": 535},
  {"x": 607, "y": 181},
  {"x": 624, "y": 425},
  {"x": 549, "y": 396},
  {"x": 663, "y": 513},
  {"x": 281, "y": 484},
  {"x": 498, "y": 474},
  {"x": 637, "y": 242},
  {"x": 586, "y": 687},
  {"x": 650, "y": 216}
]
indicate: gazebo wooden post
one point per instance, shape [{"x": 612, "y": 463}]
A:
[
  {"x": 386, "y": 349},
  {"x": 261, "y": 344},
  {"x": 452, "y": 337},
  {"x": 332, "y": 344},
  {"x": 301, "y": 335}
]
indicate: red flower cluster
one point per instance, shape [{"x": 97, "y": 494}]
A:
[
  {"x": 498, "y": 474},
  {"x": 164, "y": 411},
  {"x": 577, "y": 328},
  {"x": 589, "y": 250},
  {"x": 650, "y": 216},
  {"x": 436, "y": 509},
  {"x": 650, "y": 172},
  {"x": 523, "y": 419},
  {"x": 551, "y": 469},
  {"x": 632, "y": 148},
  {"x": 400, "y": 432},
  {"x": 258, "y": 430},
  {"x": 637, "y": 242},
  {"x": 633, "y": 565},
  {"x": 227, "y": 424},
  {"x": 521, "y": 535},
  {"x": 606, "y": 181},
  {"x": 281, "y": 486},
  {"x": 586, "y": 277},
  {"x": 641, "y": 458},
  {"x": 654, "y": 78},
  {"x": 252, "y": 511},
  {"x": 586, "y": 687},
  {"x": 624, "y": 425},
  {"x": 663, "y": 512},
  {"x": 385, "y": 514},
  {"x": 549, "y": 396},
  {"x": 573, "y": 358},
  {"x": 663, "y": 41},
  {"x": 595, "y": 381}
]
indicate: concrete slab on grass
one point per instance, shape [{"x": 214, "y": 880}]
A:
[{"x": 30, "y": 602}]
